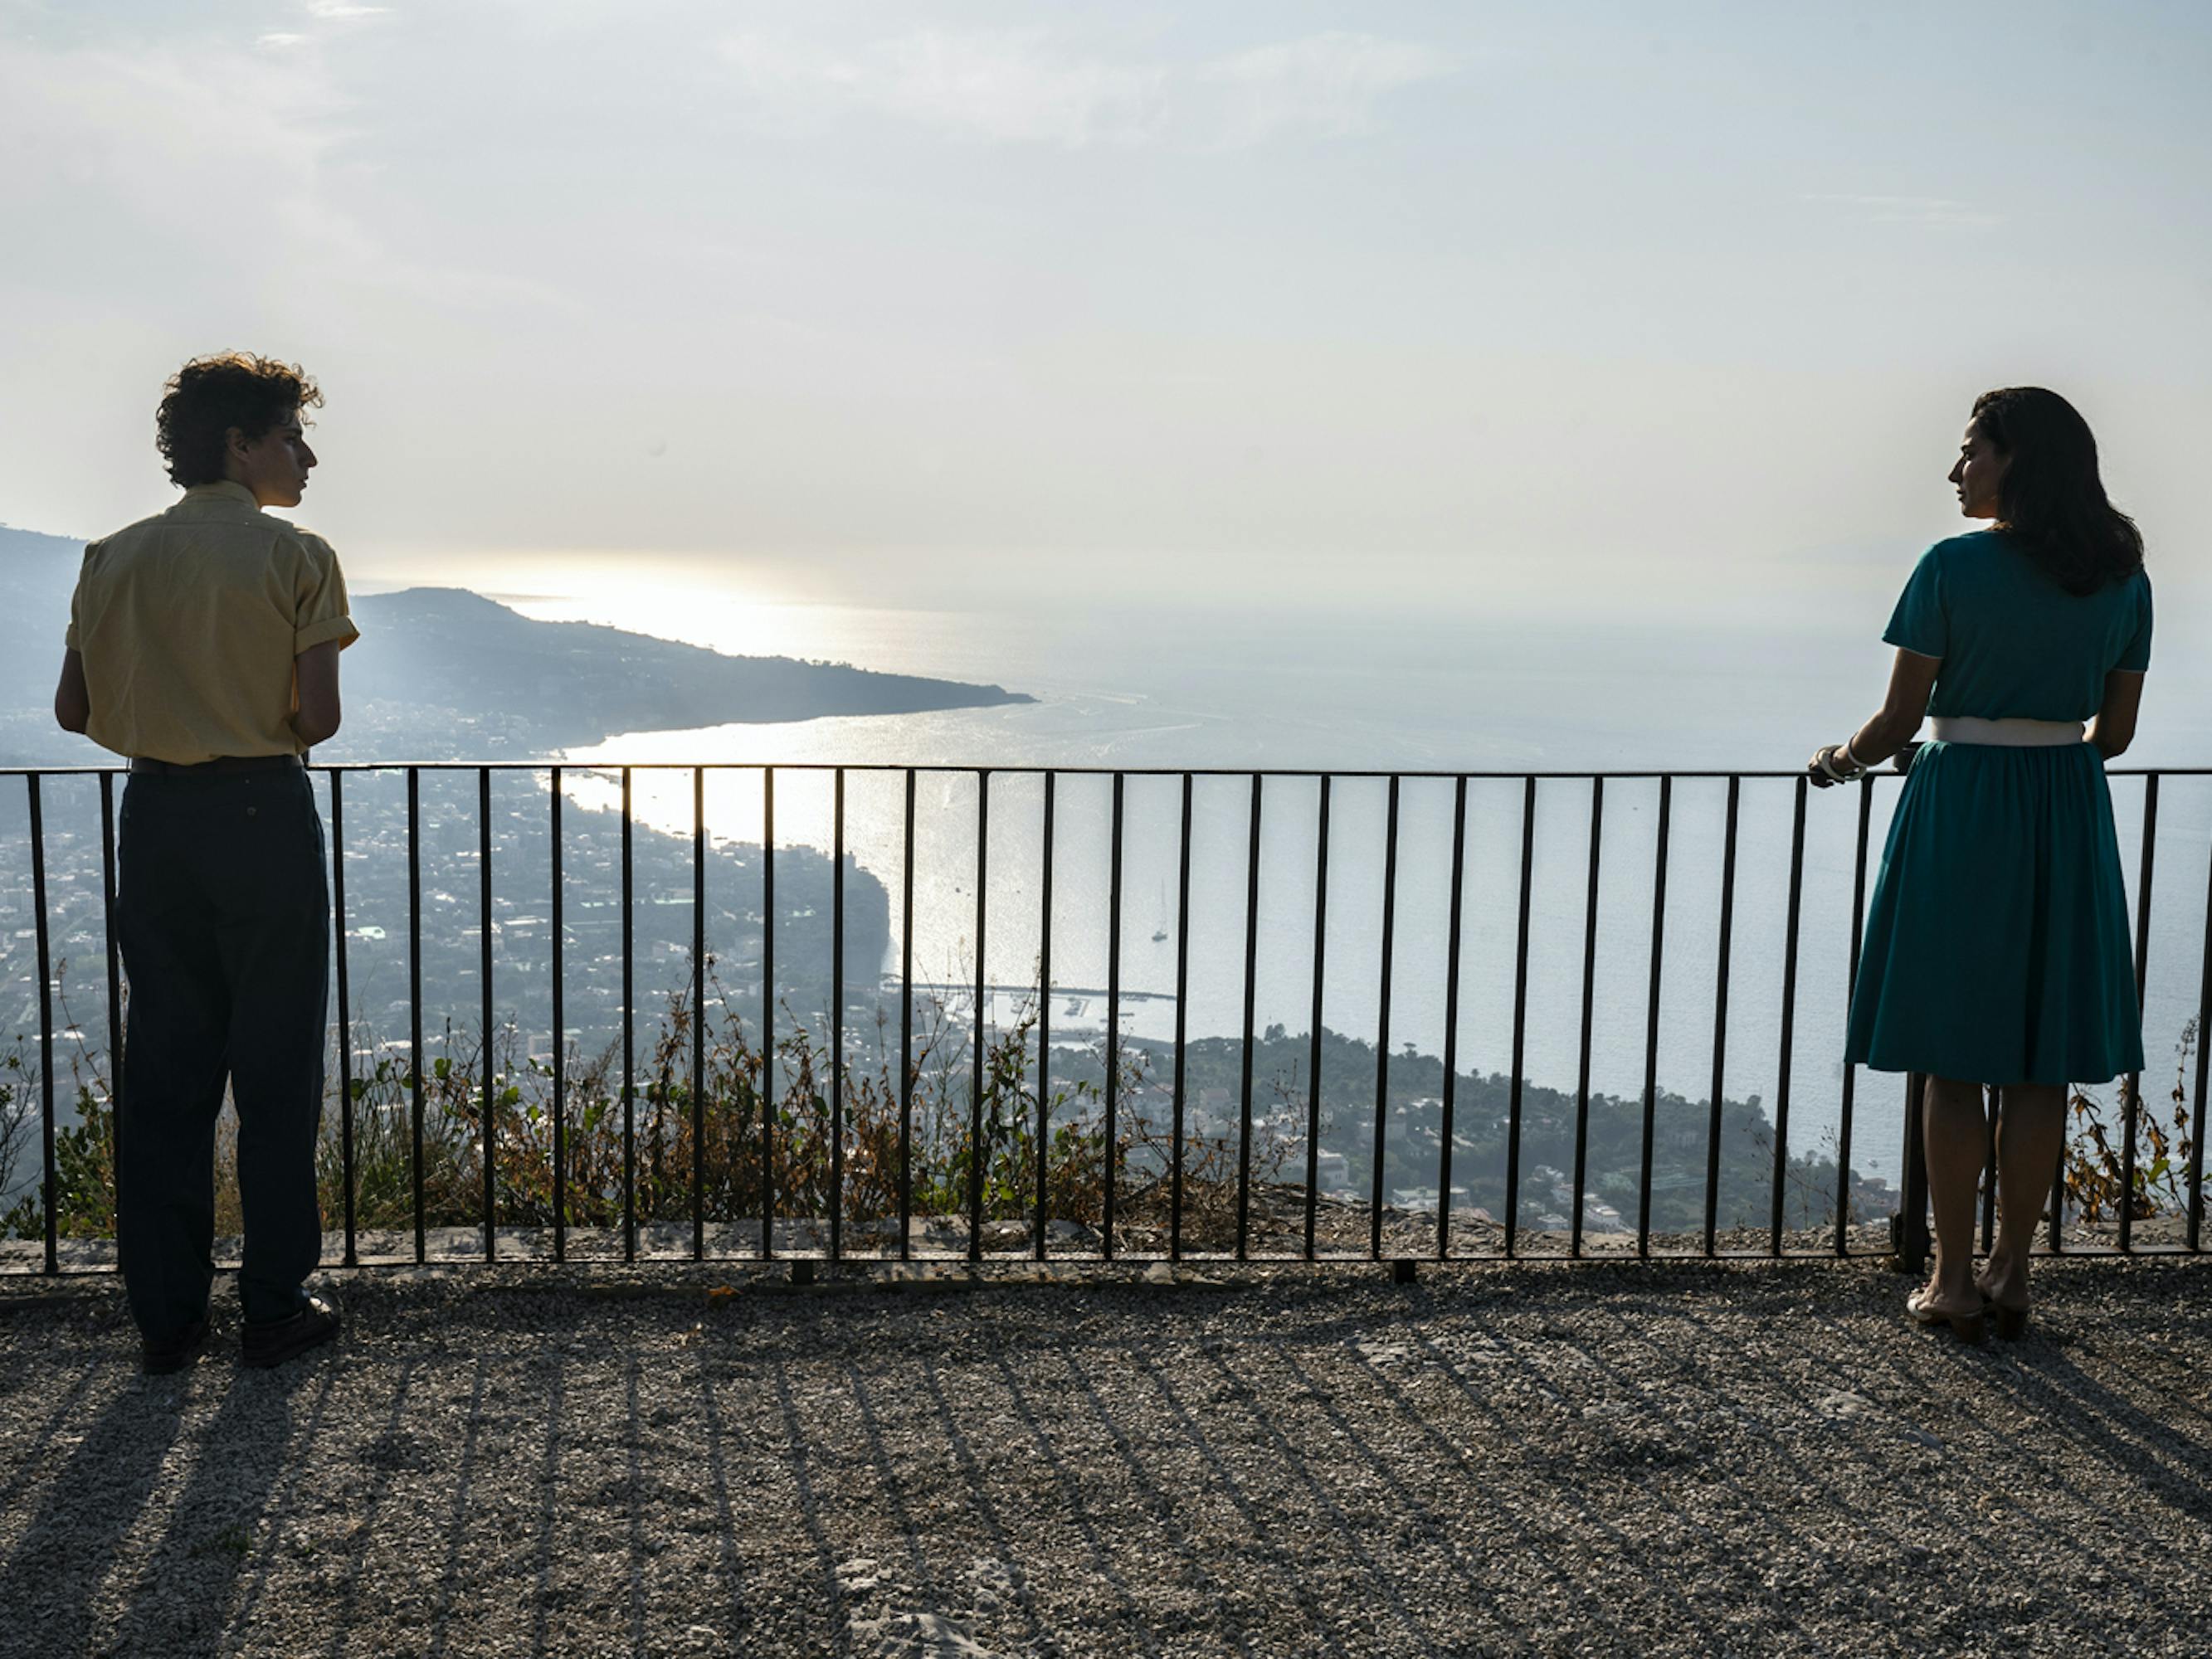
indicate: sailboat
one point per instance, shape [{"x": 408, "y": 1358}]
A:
[{"x": 1160, "y": 933}]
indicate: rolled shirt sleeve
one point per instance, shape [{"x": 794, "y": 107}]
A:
[
  {"x": 1921, "y": 623},
  {"x": 322, "y": 613},
  {"x": 73, "y": 638}
]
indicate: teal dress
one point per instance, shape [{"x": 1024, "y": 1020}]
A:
[{"x": 1996, "y": 944}]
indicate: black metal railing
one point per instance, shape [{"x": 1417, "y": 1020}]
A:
[{"x": 1115, "y": 1107}]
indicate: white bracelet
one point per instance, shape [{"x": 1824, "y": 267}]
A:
[{"x": 1857, "y": 765}]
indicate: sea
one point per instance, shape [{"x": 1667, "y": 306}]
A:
[{"x": 1293, "y": 690}]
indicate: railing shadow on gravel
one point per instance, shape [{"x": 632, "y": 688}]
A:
[
  {"x": 797, "y": 1460},
  {"x": 69, "y": 1552},
  {"x": 2051, "y": 1398},
  {"x": 1073, "y": 1502},
  {"x": 450, "y": 1572},
  {"x": 2173, "y": 1465},
  {"x": 68, "y": 1549}
]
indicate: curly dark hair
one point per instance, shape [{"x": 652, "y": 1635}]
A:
[
  {"x": 2051, "y": 498},
  {"x": 210, "y": 395}
]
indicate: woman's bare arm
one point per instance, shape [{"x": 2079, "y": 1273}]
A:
[
  {"x": 2115, "y": 727},
  {"x": 1911, "y": 678}
]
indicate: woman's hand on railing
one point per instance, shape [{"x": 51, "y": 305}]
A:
[
  {"x": 1829, "y": 766},
  {"x": 1832, "y": 764}
]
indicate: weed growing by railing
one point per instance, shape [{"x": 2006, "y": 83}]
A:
[
  {"x": 670, "y": 1123},
  {"x": 2095, "y": 1168},
  {"x": 683, "y": 1119}
]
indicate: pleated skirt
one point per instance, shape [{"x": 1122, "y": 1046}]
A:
[{"x": 1996, "y": 946}]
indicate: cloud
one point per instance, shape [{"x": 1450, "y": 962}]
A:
[
  {"x": 1326, "y": 83},
  {"x": 280, "y": 40},
  {"x": 130, "y": 141},
  {"x": 1940, "y": 210},
  {"x": 331, "y": 10},
  {"x": 1006, "y": 87},
  {"x": 1016, "y": 88}
]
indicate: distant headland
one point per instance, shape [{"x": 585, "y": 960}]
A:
[{"x": 442, "y": 673}]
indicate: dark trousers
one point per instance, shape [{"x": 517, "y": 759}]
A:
[{"x": 224, "y": 916}]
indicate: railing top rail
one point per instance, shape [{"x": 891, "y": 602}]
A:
[{"x": 1032, "y": 769}]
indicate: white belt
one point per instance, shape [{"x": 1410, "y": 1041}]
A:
[{"x": 2006, "y": 733}]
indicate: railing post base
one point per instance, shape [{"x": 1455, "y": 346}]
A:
[{"x": 1908, "y": 1229}]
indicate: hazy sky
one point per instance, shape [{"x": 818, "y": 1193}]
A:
[{"x": 1620, "y": 304}]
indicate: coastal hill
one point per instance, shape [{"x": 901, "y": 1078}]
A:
[
  {"x": 572, "y": 683},
  {"x": 442, "y": 673}
]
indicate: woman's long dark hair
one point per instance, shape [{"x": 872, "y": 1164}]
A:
[{"x": 2051, "y": 498}]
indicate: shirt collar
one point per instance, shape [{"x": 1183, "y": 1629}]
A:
[{"x": 222, "y": 489}]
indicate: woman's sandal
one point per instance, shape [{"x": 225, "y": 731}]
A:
[
  {"x": 1968, "y": 1327},
  {"x": 2011, "y": 1323}
]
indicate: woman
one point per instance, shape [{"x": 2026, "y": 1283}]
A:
[{"x": 1996, "y": 945}]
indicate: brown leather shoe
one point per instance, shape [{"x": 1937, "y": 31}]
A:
[{"x": 273, "y": 1341}]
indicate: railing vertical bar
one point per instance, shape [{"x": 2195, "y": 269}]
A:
[
  {"x": 975, "y": 1147},
  {"x": 115, "y": 1080},
  {"x": 1589, "y": 1006},
  {"x": 1850, "y": 1072},
  {"x": 1044, "y": 1028},
  {"x": 2203, "y": 1056},
  {"x": 1251, "y": 989},
  {"x": 699, "y": 1014},
  {"x": 1520, "y": 1020},
  {"x": 767, "y": 1013},
  {"x": 560, "y": 1028},
  {"x": 1313, "y": 1052},
  {"x": 2056, "y": 1213},
  {"x": 1912, "y": 1238},
  {"x": 50, "y": 1178},
  {"x": 345, "y": 1007},
  {"x": 1383, "y": 1022},
  {"x": 906, "y": 1033},
  {"x": 1994, "y": 1112},
  {"x": 488, "y": 1114},
  {"x": 414, "y": 996},
  {"x": 1112, "y": 1021},
  {"x": 837, "y": 1020},
  {"x": 2131, "y": 1103},
  {"x": 629, "y": 1024},
  {"x": 1651, "y": 1019},
  {"x": 1182, "y": 1028},
  {"x": 1788, "y": 1011},
  {"x": 1452, "y": 945},
  {"x": 1720, "y": 1016}
]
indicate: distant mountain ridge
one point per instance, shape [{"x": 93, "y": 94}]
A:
[
  {"x": 577, "y": 683},
  {"x": 444, "y": 673}
]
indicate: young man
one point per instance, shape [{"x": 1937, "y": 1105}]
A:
[{"x": 204, "y": 644}]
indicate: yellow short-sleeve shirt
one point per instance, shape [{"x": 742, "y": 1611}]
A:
[{"x": 190, "y": 623}]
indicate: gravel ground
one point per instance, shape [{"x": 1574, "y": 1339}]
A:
[{"x": 1664, "y": 1459}]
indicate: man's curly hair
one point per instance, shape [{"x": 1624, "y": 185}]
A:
[{"x": 210, "y": 395}]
